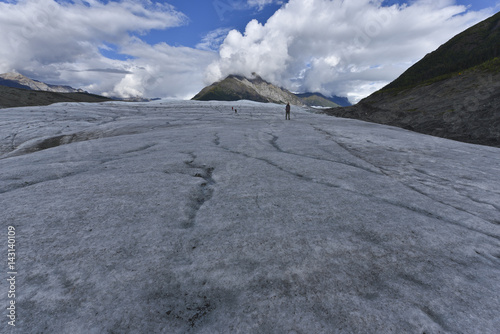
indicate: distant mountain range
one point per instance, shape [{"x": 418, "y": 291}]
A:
[
  {"x": 453, "y": 92},
  {"x": 16, "y": 90},
  {"x": 17, "y": 80},
  {"x": 236, "y": 87},
  {"x": 311, "y": 99}
]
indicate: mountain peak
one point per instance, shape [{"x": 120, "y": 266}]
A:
[
  {"x": 17, "y": 80},
  {"x": 237, "y": 87},
  {"x": 17, "y": 90},
  {"x": 13, "y": 76}
]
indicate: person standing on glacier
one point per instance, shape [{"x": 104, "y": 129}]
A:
[{"x": 287, "y": 111}]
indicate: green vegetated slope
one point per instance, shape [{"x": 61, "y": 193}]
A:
[
  {"x": 471, "y": 48},
  {"x": 453, "y": 92},
  {"x": 15, "y": 97}
]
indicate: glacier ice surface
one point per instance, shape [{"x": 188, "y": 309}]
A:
[{"x": 184, "y": 217}]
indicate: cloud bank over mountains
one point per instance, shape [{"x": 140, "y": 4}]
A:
[
  {"x": 348, "y": 48},
  {"x": 351, "y": 48},
  {"x": 68, "y": 43}
]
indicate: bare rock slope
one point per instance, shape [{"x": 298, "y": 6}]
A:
[
  {"x": 20, "y": 81},
  {"x": 234, "y": 88}
]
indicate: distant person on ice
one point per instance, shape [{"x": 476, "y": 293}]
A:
[{"x": 287, "y": 111}]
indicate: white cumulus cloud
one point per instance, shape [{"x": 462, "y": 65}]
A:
[
  {"x": 348, "y": 48},
  {"x": 64, "y": 42},
  {"x": 213, "y": 39}
]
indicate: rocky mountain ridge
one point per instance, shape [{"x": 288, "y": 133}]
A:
[
  {"x": 17, "y": 80},
  {"x": 318, "y": 99},
  {"x": 236, "y": 87},
  {"x": 16, "y": 90}
]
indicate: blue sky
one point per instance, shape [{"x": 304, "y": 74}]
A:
[
  {"x": 174, "y": 48},
  {"x": 206, "y": 16}
]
